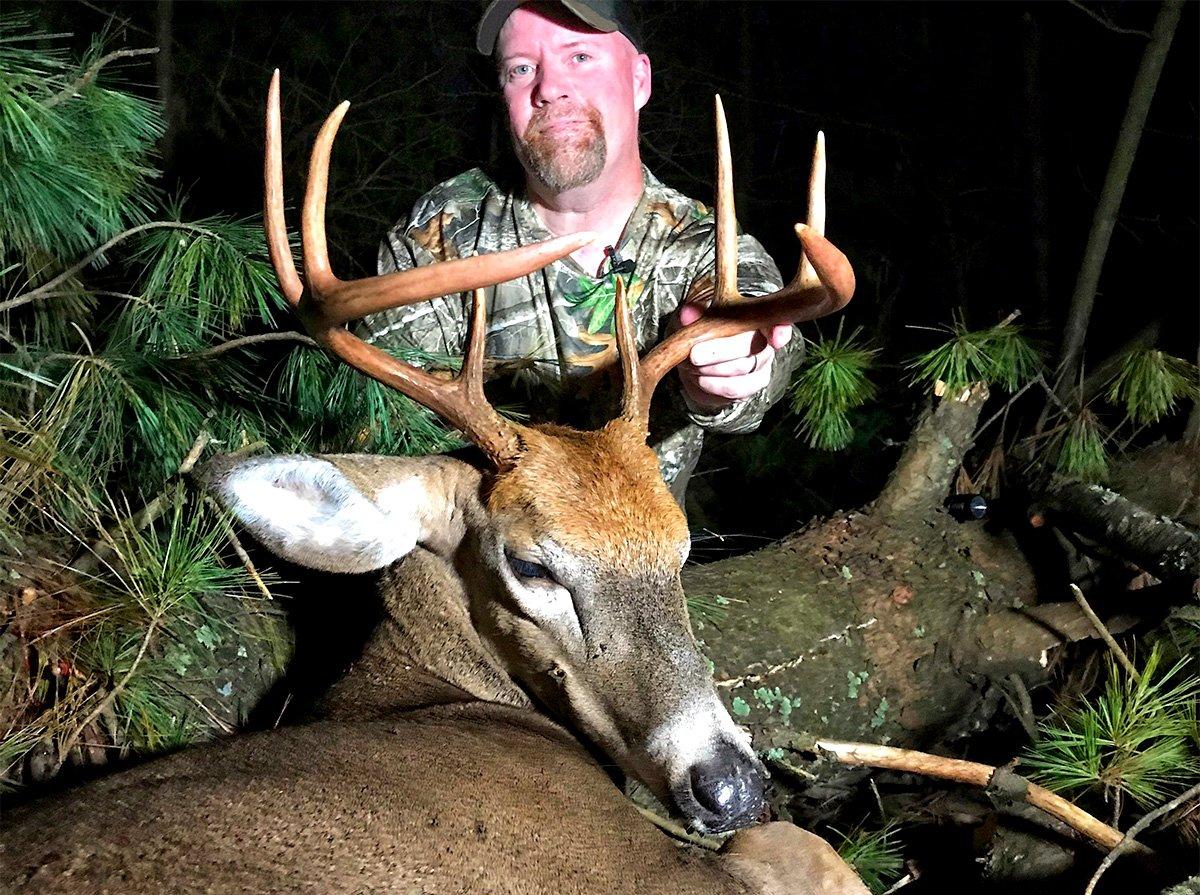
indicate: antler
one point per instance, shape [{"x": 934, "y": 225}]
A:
[
  {"x": 324, "y": 303},
  {"x": 824, "y": 283}
]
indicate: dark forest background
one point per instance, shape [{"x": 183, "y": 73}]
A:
[
  {"x": 969, "y": 147},
  {"x": 967, "y": 143}
]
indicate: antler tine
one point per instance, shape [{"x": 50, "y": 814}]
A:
[
  {"x": 631, "y": 399},
  {"x": 278, "y": 246},
  {"x": 827, "y": 289},
  {"x": 324, "y": 303},
  {"x": 816, "y": 205},
  {"x": 725, "y": 275}
]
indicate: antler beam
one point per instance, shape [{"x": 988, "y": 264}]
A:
[
  {"x": 324, "y": 303},
  {"x": 824, "y": 283}
]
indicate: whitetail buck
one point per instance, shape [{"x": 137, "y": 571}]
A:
[{"x": 548, "y": 578}]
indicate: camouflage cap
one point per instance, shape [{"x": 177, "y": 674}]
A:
[{"x": 603, "y": 15}]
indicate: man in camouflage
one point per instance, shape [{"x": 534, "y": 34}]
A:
[{"x": 574, "y": 79}]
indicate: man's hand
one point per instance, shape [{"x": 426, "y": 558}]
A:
[{"x": 721, "y": 371}]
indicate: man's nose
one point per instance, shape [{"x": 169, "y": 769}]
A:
[{"x": 552, "y": 86}]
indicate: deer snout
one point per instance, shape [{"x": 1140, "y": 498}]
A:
[{"x": 723, "y": 792}]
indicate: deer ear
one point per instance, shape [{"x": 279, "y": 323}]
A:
[{"x": 340, "y": 514}]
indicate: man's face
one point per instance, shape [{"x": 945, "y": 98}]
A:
[{"x": 572, "y": 94}]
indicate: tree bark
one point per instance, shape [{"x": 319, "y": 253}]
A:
[
  {"x": 941, "y": 438},
  {"x": 164, "y": 71},
  {"x": 1158, "y": 544},
  {"x": 1035, "y": 152},
  {"x": 1105, "y": 217}
]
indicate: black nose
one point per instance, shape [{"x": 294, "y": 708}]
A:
[{"x": 728, "y": 788}]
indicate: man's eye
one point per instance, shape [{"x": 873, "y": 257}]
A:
[
  {"x": 519, "y": 71},
  {"x": 581, "y": 57},
  {"x": 523, "y": 568}
]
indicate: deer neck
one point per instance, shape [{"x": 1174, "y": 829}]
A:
[{"x": 425, "y": 651}]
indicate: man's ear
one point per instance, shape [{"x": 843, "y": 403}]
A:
[
  {"x": 641, "y": 80},
  {"x": 348, "y": 513}
]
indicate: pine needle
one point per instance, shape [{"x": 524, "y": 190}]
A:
[
  {"x": 1079, "y": 448},
  {"x": 1148, "y": 383},
  {"x": 1138, "y": 737},
  {"x": 1000, "y": 355},
  {"x": 874, "y": 855},
  {"x": 832, "y": 382}
]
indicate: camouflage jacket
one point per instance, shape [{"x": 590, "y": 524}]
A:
[{"x": 551, "y": 334}]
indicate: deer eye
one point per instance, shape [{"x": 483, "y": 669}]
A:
[{"x": 523, "y": 568}]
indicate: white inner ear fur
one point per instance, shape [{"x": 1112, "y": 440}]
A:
[{"x": 307, "y": 511}]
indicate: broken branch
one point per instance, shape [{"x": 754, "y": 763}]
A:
[{"x": 974, "y": 774}]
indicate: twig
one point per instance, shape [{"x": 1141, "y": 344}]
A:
[
  {"x": 44, "y": 290},
  {"x": 103, "y": 547},
  {"x": 1007, "y": 404},
  {"x": 287, "y": 336},
  {"x": 193, "y": 455},
  {"x": 1104, "y": 633},
  {"x": 1129, "y": 841},
  {"x": 287, "y": 700},
  {"x": 901, "y": 883},
  {"x": 1107, "y": 23},
  {"x": 236, "y": 543},
  {"x": 675, "y": 830},
  {"x": 112, "y": 695},
  {"x": 973, "y": 773},
  {"x": 94, "y": 69},
  {"x": 220, "y": 722}
]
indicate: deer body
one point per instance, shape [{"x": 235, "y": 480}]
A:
[
  {"x": 541, "y": 587},
  {"x": 430, "y": 772}
]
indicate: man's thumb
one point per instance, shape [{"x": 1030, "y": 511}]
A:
[{"x": 689, "y": 314}]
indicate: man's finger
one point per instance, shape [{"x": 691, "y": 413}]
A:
[
  {"x": 780, "y": 335},
  {"x": 736, "y": 387},
  {"x": 716, "y": 351},
  {"x": 740, "y": 366}
]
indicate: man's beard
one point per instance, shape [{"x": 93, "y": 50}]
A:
[{"x": 567, "y": 158}]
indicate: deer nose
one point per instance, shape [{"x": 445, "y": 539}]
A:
[{"x": 729, "y": 790}]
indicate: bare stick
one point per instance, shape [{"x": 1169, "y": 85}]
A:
[
  {"x": 286, "y": 336},
  {"x": 48, "y": 287},
  {"x": 236, "y": 543},
  {"x": 1104, "y": 633},
  {"x": 975, "y": 774},
  {"x": 107, "y": 702},
  {"x": 676, "y": 831},
  {"x": 1132, "y": 833},
  {"x": 94, "y": 69}
]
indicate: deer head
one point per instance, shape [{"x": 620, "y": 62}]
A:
[{"x": 569, "y": 543}]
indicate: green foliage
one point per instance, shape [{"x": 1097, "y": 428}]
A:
[
  {"x": 832, "y": 382},
  {"x": 343, "y": 410},
  {"x": 1148, "y": 383},
  {"x": 199, "y": 283},
  {"x": 1079, "y": 448},
  {"x": 875, "y": 856},
  {"x": 106, "y": 383},
  {"x": 1138, "y": 737},
  {"x": 75, "y": 157},
  {"x": 709, "y": 610},
  {"x": 999, "y": 355}
]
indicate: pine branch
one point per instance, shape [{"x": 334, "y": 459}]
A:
[
  {"x": 1129, "y": 842},
  {"x": 92, "y": 71},
  {"x": 112, "y": 695},
  {"x": 975, "y": 774},
  {"x": 286, "y": 336},
  {"x": 44, "y": 290}
]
